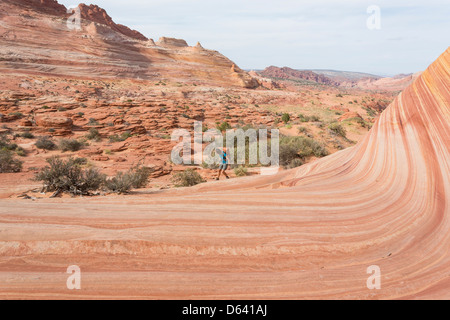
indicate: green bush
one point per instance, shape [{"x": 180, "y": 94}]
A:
[
  {"x": 16, "y": 114},
  {"x": 21, "y": 152},
  {"x": 213, "y": 166},
  {"x": 288, "y": 152},
  {"x": 187, "y": 178},
  {"x": 314, "y": 118},
  {"x": 124, "y": 136},
  {"x": 240, "y": 171},
  {"x": 70, "y": 145},
  {"x": 27, "y": 135},
  {"x": 292, "y": 148},
  {"x": 295, "y": 163},
  {"x": 92, "y": 122},
  {"x": 302, "y": 130},
  {"x": 304, "y": 118},
  {"x": 121, "y": 183},
  {"x": 68, "y": 176},
  {"x": 140, "y": 176},
  {"x": 93, "y": 134},
  {"x": 337, "y": 129},
  {"x": 136, "y": 178},
  {"x": 224, "y": 126},
  {"x": 286, "y": 118},
  {"x": 7, "y": 162},
  {"x": 45, "y": 143}
]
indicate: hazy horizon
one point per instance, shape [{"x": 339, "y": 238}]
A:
[{"x": 324, "y": 35}]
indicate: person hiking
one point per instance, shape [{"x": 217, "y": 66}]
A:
[{"x": 224, "y": 165}]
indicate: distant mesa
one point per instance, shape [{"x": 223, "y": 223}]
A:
[
  {"x": 345, "y": 79},
  {"x": 286, "y": 73}
]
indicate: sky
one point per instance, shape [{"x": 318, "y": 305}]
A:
[{"x": 405, "y": 37}]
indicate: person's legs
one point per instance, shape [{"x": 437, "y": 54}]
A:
[
  {"x": 224, "y": 168},
  {"x": 225, "y": 174},
  {"x": 220, "y": 171}
]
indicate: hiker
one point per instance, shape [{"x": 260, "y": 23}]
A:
[{"x": 224, "y": 165}]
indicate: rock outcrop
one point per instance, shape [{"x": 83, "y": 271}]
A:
[
  {"x": 96, "y": 14},
  {"x": 42, "y": 44},
  {"x": 172, "y": 42},
  {"x": 286, "y": 73}
]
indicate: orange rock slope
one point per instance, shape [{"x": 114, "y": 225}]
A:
[
  {"x": 35, "y": 38},
  {"x": 305, "y": 233}
]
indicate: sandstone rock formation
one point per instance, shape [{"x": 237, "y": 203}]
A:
[
  {"x": 96, "y": 14},
  {"x": 311, "y": 232},
  {"x": 58, "y": 124},
  {"x": 291, "y": 74},
  {"x": 172, "y": 42},
  {"x": 102, "y": 48}
]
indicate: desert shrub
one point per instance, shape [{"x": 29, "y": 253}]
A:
[
  {"x": 45, "y": 143},
  {"x": 224, "y": 126},
  {"x": 7, "y": 162},
  {"x": 302, "y": 130},
  {"x": 27, "y": 135},
  {"x": 68, "y": 176},
  {"x": 16, "y": 114},
  {"x": 288, "y": 152},
  {"x": 121, "y": 183},
  {"x": 140, "y": 176},
  {"x": 80, "y": 161},
  {"x": 8, "y": 146},
  {"x": 292, "y": 148},
  {"x": 240, "y": 171},
  {"x": 337, "y": 129},
  {"x": 213, "y": 166},
  {"x": 5, "y": 142},
  {"x": 124, "y": 136},
  {"x": 20, "y": 152},
  {"x": 92, "y": 122},
  {"x": 314, "y": 118},
  {"x": 136, "y": 178},
  {"x": 93, "y": 134},
  {"x": 188, "y": 178},
  {"x": 286, "y": 118},
  {"x": 303, "y": 118},
  {"x": 295, "y": 163},
  {"x": 70, "y": 145}
]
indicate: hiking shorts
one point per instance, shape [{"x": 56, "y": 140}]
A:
[{"x": 223, "y": 166}]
